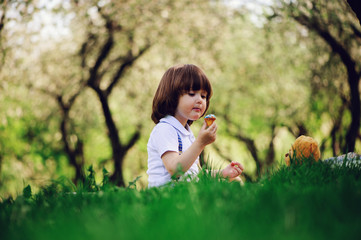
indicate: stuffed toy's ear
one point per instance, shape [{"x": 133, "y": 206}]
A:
[{"x": 287, "y": 159}]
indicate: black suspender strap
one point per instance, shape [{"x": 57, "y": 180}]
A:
[{"x": 180, "y": 145}]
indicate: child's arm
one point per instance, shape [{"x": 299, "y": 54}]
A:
[{"x": 172, "y": 159}]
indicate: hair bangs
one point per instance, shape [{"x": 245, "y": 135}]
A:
[{"x": 194, "y": 79}]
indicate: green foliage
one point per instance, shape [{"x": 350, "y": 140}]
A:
[
  {"x": 90, "y": 183},
  {"x": 317, "y": 201},
  {"x": 27, "y": 192},
  {"x": 105, "y": 177},
  {"x": 133, "y": 184}
]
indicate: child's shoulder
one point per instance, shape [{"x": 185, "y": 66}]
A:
[
  {"x": 163, "y": 128},
  {"x": 161, "y": 133}
]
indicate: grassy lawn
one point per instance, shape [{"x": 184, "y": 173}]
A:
[{"x": 301, "y": 202}]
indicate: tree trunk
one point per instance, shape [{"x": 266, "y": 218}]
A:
[
  {"x": 353, "y": 78},
  {"x": 270, "y": 157},
  {"x": 79, "y": 161},
  {"x": 117, "y": 148},
  {"x": 353, "y": 130},
  {"x": 72, "y": 154}
]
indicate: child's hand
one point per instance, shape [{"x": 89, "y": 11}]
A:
[
  {"x": 207, "y": 135},
  {"x": 233, "y": 170}
]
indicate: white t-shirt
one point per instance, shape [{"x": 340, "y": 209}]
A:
[{"x": 164, "y": 138}]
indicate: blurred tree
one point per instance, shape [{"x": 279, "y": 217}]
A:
[
  {"x": 109, "y": 49},
  {"x": 335, "y": 23},
  {"x": 267, "y": 76},
  {"x": 118, "y": 34},
  {"x": 10, "y": 12},
  {"x": 355, "y": 5},
  {"x": 259, "y": 90},
  {"x": 3, "y": 20},
  {"x": 73, "y": 144}
]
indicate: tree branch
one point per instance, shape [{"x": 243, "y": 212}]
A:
[
  {"x": 128, "y": 62},
  {"x": 133, "y": 139},
  {"x": 93, "y": 78},
  {"x": 355, "y": 6}
]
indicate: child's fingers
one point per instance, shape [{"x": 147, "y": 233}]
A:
[
  {"x": 213, "y": 127},
  {"x": 237, "y": 166},
  {"x": 241, "y": 166},
  {"x": 239, "y": 170},
  {"x": 204, "y": 126},
  {"x": 234, "y": 163}
]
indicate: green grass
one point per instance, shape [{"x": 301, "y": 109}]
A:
[{"x": 301, "y": 202}]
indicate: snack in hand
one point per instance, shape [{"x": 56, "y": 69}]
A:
[{"x": 210, "y": 118}]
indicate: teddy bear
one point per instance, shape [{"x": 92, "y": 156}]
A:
[{"x": 306, "y": 147}]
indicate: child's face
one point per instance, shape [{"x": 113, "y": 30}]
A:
[{"x": 191, "y": 106}]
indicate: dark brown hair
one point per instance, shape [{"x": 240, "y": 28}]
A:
[{"x": 175, "y": 82}]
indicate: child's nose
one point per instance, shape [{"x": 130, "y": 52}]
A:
[{"x": 199, "y": 99}]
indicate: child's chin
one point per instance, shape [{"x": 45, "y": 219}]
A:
[{"x": 194, "y": 118}]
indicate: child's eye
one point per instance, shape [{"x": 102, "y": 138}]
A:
[
  {"x": 204, "y": 96},
  {"x": 191, "y": 94}
]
